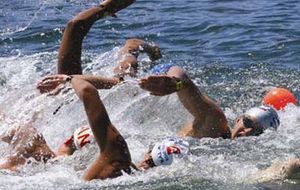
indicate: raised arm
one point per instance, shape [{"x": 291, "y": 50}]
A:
[
  {"x": 130, "y": 52},
  {"x": 95, "y": 110},
  {"x": 209, "y": 119},
  {"x": 69, "y": 59},
  {"x": 115, "y": 155}
]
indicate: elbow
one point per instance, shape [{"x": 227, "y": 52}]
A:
[
  {"x": 87, "y": 91},
  {"x": 75, "y": 25},
  {"x": 70, "y": 25}
]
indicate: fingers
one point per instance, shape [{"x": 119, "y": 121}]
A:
[
  {"x": 60, "y": 77},
  {"x": 151, "y": 83},
  {"x": 57, "y": 90},
  {"x": 48, "y": 86},
  {"x": 44, "y": 88},
  {"x": 146, "y": 84},
  {"x": 46, "y": 78}
]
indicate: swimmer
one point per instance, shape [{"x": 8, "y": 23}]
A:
[
  {"x": 114, "y": 157},
  {"x": 278, "y": 171},
  {"x": 25, "y": 142},
  {"x": 128, "y": 65},
  {"x": 108, "y": 164},
  {"x": 161, "y": 153},
  {"x": 209, "y": 120},
  {"x": 69, "y": 59}
]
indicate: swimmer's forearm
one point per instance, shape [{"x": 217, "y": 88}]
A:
[
  {"x": 136, "y": 46},
  {"x": 91, "y": 15},
  {"x": 198, "y": 104},
  {"x": 99, "y": 82}
]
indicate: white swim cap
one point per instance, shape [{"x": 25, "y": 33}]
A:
[
  {"x": 162, "y": 152},
  {"x": 83, "y": 136},
  {"x": 265, "y": 115}
]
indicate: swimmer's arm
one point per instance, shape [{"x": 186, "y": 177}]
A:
[
  {"x": 106, "y": 136},
  {"x": 205, "y": 111},
  {"x": 99, "y": 82},
  {"x": 278, "y": 171},
  {"x": 69, "y": 58},
  {"x": 12, "y": 162},
  {"x": 130, "y": 53},
  {"x": 208, "y": 115},
  {"x": 292, "y": 169},
  {"x": 191, "y": 97},
  {"x": 140, "y": 46},
  {"x": 96, "y": 113},
  {"x": 55, "y": 83}
]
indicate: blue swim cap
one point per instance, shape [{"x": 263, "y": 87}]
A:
[{"x": 161, "y": 68}]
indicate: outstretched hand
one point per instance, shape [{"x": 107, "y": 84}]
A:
[
  {"x": 52, "y": 84},
  {"x": 114, "y": 6},
  {"x": 159, "y": 85}
]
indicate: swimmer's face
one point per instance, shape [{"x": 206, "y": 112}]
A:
[
  {"x": 246, "y": 126},
  {"x": 147, "y": 162}
]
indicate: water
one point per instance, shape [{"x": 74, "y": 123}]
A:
[{"x": 233, "y": 50}]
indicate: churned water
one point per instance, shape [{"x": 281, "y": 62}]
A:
[{"x": 233, "y": 50}]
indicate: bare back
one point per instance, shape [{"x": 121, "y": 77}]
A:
[{"x": 27, "y": 143}]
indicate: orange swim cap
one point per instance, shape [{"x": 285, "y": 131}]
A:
[{"x": 279, "y": 98}]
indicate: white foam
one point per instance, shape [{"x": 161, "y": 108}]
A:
[{"x": 141, "y": 118}]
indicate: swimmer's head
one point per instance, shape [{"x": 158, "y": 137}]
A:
[
  {"x": 83, "y": 136},
  {"x": 255, "y": 121},
  {"x": 153, "y": 50},
  {"x": 162, "y": 152}
]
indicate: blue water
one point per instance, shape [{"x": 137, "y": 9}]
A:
[
  {"x": 234, "y": 50},
  {"x": 203, "y": 32}
]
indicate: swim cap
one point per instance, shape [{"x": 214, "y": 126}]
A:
[
  {"x": 266, "y": 116},
  {"x": 83, "y": 136},
  {"x": 161, "y": 68},
  {"x": 162, "y": 152},
  {"x": 279, "y": 98}
]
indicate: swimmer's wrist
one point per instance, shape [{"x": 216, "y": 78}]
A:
[{"x": 179, "y": 84}]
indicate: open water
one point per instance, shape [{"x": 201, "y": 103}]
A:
[{"x": 233, "y": 50}]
